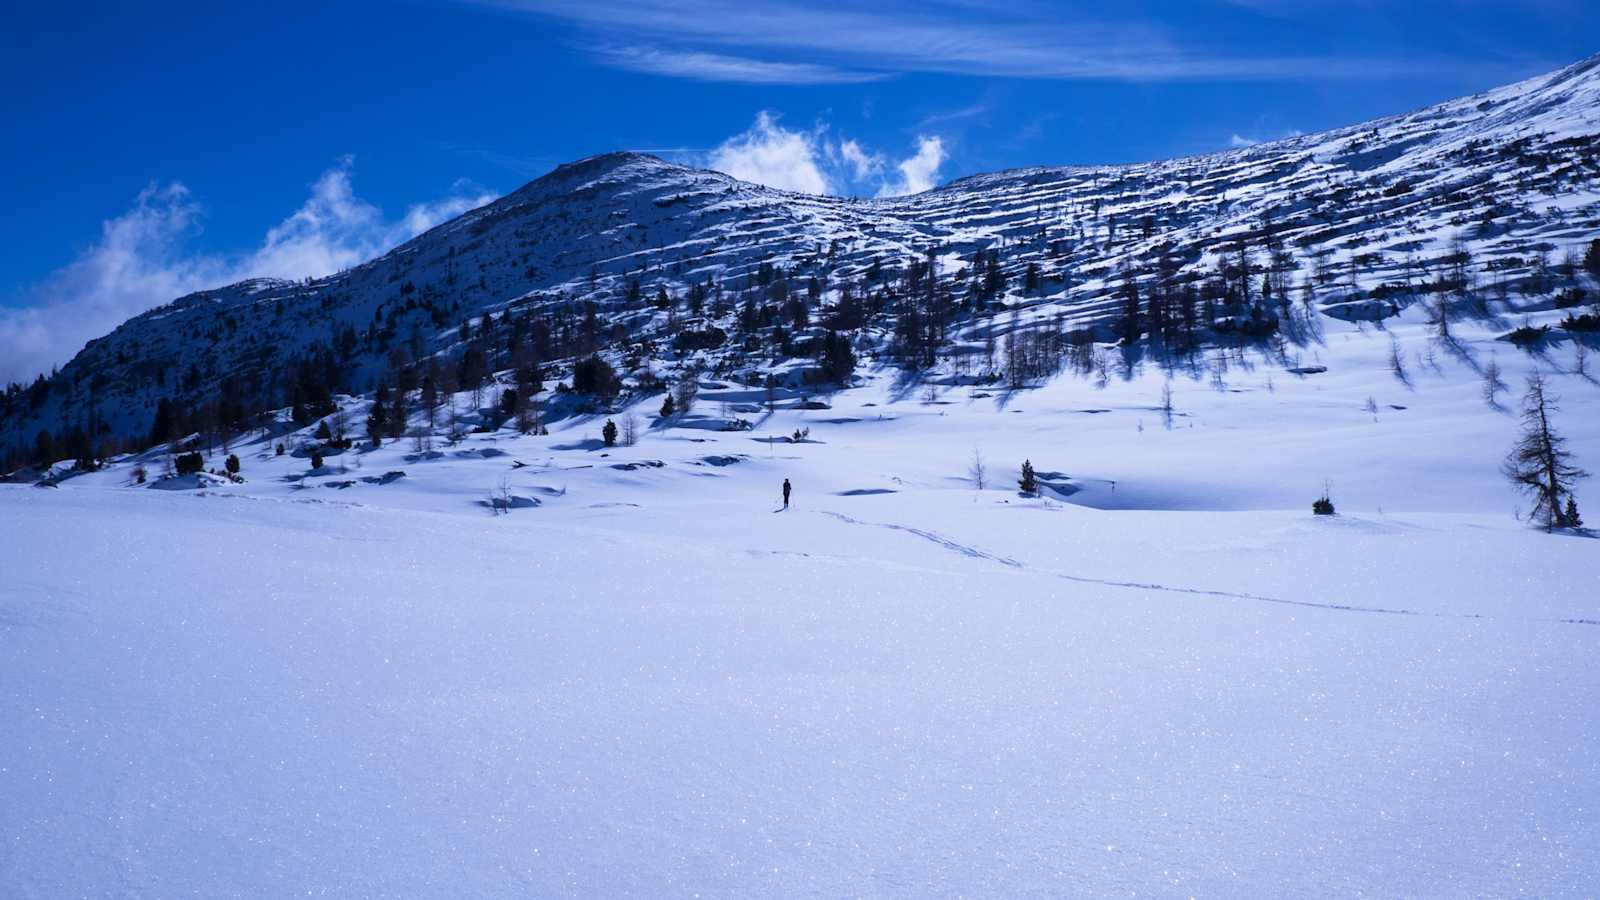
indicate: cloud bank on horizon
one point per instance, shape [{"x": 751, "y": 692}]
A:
[{"x": 143, "y": 259}]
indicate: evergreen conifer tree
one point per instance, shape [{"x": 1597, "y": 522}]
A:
[
  {"x": 1540, "y": 464},
  {"x": 378, "y": 419}
]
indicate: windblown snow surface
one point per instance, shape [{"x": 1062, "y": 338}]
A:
[{"x": 1163, "y": 677}]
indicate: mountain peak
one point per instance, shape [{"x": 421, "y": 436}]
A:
[
  {"x": 607, "y": 163},
  {"x": 616, "y": 166},
  {"x": 620, "y": 230}
]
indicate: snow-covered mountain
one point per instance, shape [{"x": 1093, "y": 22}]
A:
[
  {"x": 1491, "y": 191},
  {"x": 475, "y": 658}
]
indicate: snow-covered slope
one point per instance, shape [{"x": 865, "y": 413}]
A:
[
  {"x": 1362, "y": 219},
  {"x": 474, "y": 661},
  {"x": 647, "y": 677},
  {"x": 1165, "y": 676}
]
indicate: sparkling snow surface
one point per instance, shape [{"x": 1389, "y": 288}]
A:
[{"x": 656, "y": 682}]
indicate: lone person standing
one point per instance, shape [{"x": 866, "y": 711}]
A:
[{"x": 786, "y": 493}]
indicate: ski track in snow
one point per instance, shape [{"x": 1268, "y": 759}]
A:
[
  {"x": 935, "y": 537},
  {"x": 975, "y": 553}
]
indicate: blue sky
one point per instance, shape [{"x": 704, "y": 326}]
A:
[{"x": 153, "y": 150}]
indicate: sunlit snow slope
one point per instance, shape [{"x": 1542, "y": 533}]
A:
[
  {"x": 1164, "y": 676},
  {"x": 647, "y": 678},
  {"x": 1366, "y": 215}
]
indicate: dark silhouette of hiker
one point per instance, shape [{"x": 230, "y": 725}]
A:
[{"x": 786, "y": 493}]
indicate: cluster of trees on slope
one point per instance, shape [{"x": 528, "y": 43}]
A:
[
  {"x": 912, "y": 312},
  {"x": 1098, "y": 223},
  {"x": 1159, "y": 294}
]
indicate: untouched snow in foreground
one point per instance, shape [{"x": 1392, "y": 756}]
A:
[
  {"x": 229, "y": 696},
  {"x": 657, "y": 683}
]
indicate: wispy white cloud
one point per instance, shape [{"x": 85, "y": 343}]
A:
[
  {"x": 775, "y": 156},
  {"x": 1025, "y": 40},
  {"x": 464, "y": 195},
  {"x": 133, "y": 266},
  {"x": 334, "y": 229},
  {"x": 920, "y": 172},
  {"x": 955, "y": 115},
  {"x": 862, "y": 165},
  {"x": 703, "y": 66},
  {"x": 812, "y": 162},
  {"x": 144, "y": 258}
]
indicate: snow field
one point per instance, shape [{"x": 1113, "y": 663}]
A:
[{"x": 657, "y": 683}]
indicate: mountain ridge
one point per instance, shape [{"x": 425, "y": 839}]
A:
[{"x": 604, "y": 237}]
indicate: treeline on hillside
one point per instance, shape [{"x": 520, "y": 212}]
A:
[{"x": 907, "y": 311}]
